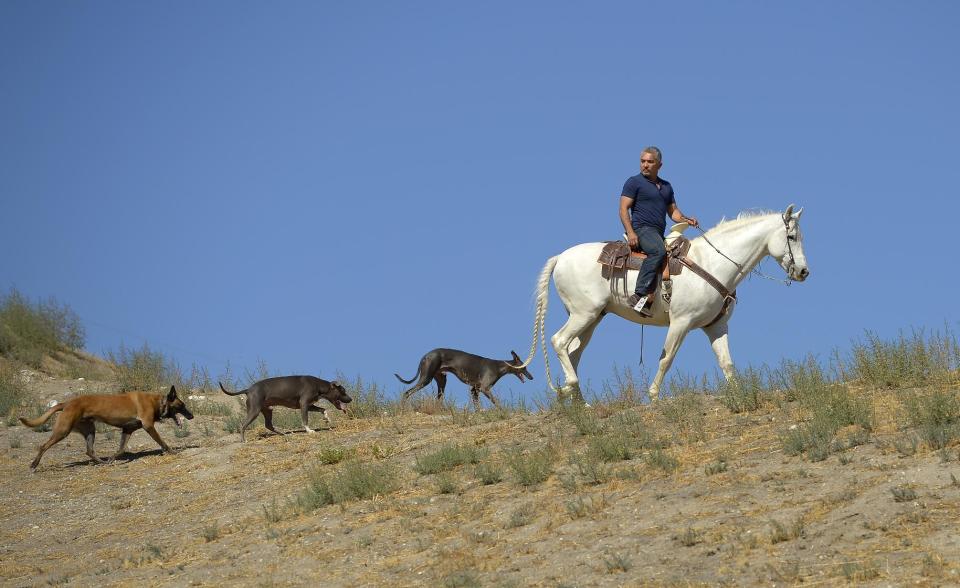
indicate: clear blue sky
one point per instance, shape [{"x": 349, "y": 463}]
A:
[{"x": 344, "y": 186}]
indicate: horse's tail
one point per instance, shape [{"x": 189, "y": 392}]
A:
[
  {"x": 44, "y": 417},
  {"x": 238, "y": 393},
  {"x": 543, "y": 296}
]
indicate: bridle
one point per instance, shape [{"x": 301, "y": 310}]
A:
[{"x": 788, "y": 267}]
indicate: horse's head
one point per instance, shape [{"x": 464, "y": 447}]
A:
[{"x": 786, "y": 246}]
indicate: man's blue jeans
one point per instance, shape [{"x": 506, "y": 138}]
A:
[{"x": 651, "y": 243}]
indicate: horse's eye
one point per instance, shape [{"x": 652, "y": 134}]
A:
[{"x": 792, "y": 237}]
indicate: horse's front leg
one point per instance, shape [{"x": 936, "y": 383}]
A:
[
  {"x": 675, "y": 333},
  {"x": 717, "y": 333}
]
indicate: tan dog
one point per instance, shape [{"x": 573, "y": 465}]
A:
[{"x": 129, "y": 411}]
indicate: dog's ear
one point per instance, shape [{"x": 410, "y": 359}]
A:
[
  {"x": 515, "y": 356},
  {"x": 172, "y": 394}
]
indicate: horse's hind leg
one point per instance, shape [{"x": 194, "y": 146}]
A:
[
  {"x": 675, "y": 334},
  {"x": 581, "y": 342},
  {"x": 717, "y": 334},
  {"x": 576, "y": 325}
]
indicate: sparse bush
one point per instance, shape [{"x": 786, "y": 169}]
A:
[
  {"x": 367, "y": 399},
  {"x": 331, "y": 455},
  {"x": 662, "y": 460},
  {"x": 611, "y": 448},
  {"x": 447, "y": 458},
  {"x": 584, "y": 419},
  {"x": 745, "y": 392},
  {"x": 446, "y": 483},
  {"x": 29, "y": 331},
  {"x": 617, "y": 562},
  {"x": 716, "y": 467},
  {"x": 907, "y": 361},
  {"x": 593, "y": 470},
  {"x": 182, "y": 431},
  {"x": 489, "y": 472},
  {"x": 233, "y": 422},
  {"x": 935, "y": 415},
  {"x": 531, "y": 468},
  {"x": 689, "y": 538},
  {"x": 522, "y": 515},
  {"x": 272, "y": 512},
  {"x": 685, "y": 410},
  {"x": 12, "y": 389},
  {"x": 462, "y": 579},
  {"x": 211, "y": 532},
  {"x": 783, "y": 532},
  {"x": 860, "y": 571},
  {"x": 834, "y": 409},
  {"x": 353, "y": 481},
  {"x": 142, "y": 369},
  {"x": 903, "y": 493},
  {"x": 578, "y": 508}
]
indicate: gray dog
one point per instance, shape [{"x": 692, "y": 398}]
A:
[
  {"x": 477, "y": 372},
  {"x": 292, "y": 392}
]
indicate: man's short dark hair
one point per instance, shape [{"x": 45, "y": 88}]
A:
[{"x": 654, "y": 151}]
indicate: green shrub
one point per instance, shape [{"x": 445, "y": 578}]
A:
[
  {"x": 936, "y": 416},
  {"x": 908, "y": 361},
  {"x": 662, "y": 460},
  {"x": 686, "y": 412},
  {"x": 530, "y": 469},
  {"x": 447, "y": 458},
  {"x": 489, "y": 472},
  {"x": 744, "y": 393},
  {"x": 28, "y": 331},
  {"x": 142, "y": 369},
  {"x": 353, "y": 481},
  {"x": 12, "y": 389}
]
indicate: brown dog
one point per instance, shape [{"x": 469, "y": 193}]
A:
[{"x": 129, "y": 411}]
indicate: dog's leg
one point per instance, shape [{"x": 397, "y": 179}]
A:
[
  {"x": 268, "y": 419},
  {"x": 429, "y": 366},
  {"x": 441, "y": 379},
  {"x": 475, "y": 395},
  {"x": 156, "y": 437},
  {"x": 251, "y": 416},
  {"x": 124, "y": 437},
  {"x": 321, "y": 410},
  {"x": 89, "y": 432},
  {"x": 60, "y": 430},
  {"x": 489, "y": 394},
  {"x": 305, "y": 414}
]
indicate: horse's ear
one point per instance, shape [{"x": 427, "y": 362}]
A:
[
  {"x": 788, "y": 212},
  {"x": 799, "y": 212}
]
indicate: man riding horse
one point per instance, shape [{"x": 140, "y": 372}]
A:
[{"x": 644, "y": 202}]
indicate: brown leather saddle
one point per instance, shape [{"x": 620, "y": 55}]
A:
[{"x": 617, "y": 256}]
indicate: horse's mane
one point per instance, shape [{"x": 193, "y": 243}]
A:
[{"x": 742, "y": 218}]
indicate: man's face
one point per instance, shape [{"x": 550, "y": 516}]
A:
[{"x": 649, "y": 166}]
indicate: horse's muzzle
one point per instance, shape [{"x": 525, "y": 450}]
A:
[{"x": 799, "y": 274}]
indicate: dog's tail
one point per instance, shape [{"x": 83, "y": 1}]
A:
[
  {"x": 44, "y": 417},
  {"x": 411, "y": 380},
  {"x": 238, "y": 393}
]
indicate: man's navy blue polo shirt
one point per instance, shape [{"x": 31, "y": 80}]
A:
[{"x": 649, "y": 203}]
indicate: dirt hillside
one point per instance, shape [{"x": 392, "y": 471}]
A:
[{"x": 673, "y": 495}]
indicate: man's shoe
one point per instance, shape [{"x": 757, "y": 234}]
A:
[{"x": 639, "y": 304}]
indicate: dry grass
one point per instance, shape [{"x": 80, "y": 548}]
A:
[{"x": 688, "y": 492}]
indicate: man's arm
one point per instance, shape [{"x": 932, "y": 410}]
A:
[
  {"x": 625, "y": 203},
  {"x": 678, "y": 217}
]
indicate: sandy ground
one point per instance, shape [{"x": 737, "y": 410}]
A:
[{"x": 219, "y": 512}]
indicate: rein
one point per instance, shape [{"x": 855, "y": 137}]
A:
[{"x": 756, "y": 270}]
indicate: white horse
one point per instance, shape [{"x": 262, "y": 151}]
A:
[{"x": 729, "y": 252}]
